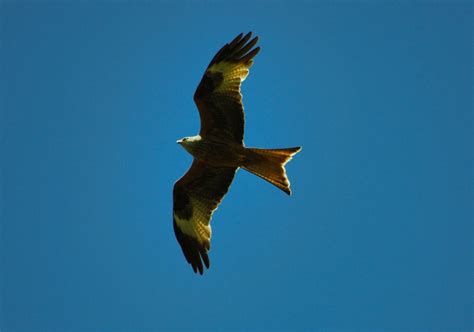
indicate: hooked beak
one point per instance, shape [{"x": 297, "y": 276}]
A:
[{"x": 179, "y": 141}]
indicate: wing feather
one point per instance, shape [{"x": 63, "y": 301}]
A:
[
  {"x": 247, "y": 47},
  {"x": 218, "y": 95},
  {"x": 195, "y": 198}
]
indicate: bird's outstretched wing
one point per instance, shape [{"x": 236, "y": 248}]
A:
[
  {"x": 218, "y": 95},
  {"x": 195, "y": 197}
]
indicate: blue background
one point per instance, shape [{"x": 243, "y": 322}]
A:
[{"x": 378, "y": 232}]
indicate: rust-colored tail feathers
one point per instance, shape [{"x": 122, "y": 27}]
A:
[{"x": 269, "y": 164}]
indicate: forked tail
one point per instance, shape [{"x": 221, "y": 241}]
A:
[{"x": 269, "y": 164}]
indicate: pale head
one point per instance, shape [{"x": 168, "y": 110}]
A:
[{"x": 189, "y": 143}]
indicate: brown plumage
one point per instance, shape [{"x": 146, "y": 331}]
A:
[{"x": 219, "y": 151}]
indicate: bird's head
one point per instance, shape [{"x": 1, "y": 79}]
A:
[{"x": 189, "y": 143}]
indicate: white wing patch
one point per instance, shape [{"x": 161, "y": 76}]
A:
[
  {"x": 198, "y": 226},
  {"x": 233, "y": 74}
]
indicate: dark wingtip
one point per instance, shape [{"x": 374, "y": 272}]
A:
[
  {"x": 249, "y": 56},
  {"x": 205, "y": 259},
  {"x": 236, "y": 40},
  {"x": 194, "y": 252},
  {"x": 238, "y": 50}
]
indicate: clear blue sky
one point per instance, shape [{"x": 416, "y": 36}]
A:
[{"x": 377, "y": 235}]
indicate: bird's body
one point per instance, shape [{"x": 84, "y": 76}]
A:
[
  {"x": 219, "y": 151},
  {"x": 214, "y": 151}
]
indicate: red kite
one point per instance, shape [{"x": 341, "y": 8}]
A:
[{"x": 219, "y": 150}]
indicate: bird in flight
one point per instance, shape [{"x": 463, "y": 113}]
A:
[{"x": 219, "y": 150}]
